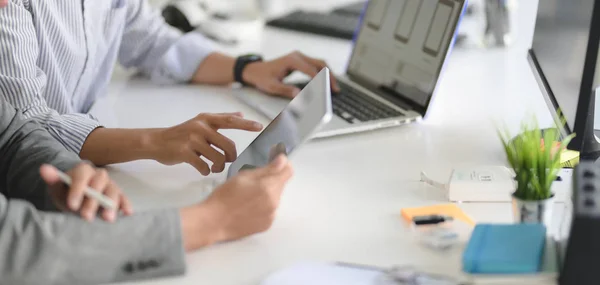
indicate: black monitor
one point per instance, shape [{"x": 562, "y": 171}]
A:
[{"x": 563, "y": 58}]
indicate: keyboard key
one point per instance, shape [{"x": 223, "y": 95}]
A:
[
  {"x": 357, "y": 107},
  {"x": 345, "y": 115}
]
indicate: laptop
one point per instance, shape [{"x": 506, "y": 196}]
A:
[
  {"x": 396, "y": 62},
  {"x": 293, "y": 126}
]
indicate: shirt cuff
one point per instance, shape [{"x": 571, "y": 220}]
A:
[
  {"x": 181, "y": 61},
  {"x": 71, "y": 130}
]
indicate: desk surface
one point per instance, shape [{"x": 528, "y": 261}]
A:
[{"x": 344, "y": 202}]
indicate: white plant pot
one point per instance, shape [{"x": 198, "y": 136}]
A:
[{"x": 533, "y": 211}]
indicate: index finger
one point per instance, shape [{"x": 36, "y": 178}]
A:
[
  {"x": 301, "y": 64},
  {"x": 320, "y": 65},
  {"x": 227, "y": 121},
  {"x": 80, "y": 176}
]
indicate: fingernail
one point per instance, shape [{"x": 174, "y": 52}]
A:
[
  {"x": 279, "y": 162},
  {"x": 89, "y": 216},
  {"x": 257, "y": 125},
  {"x": 111, "y": 216},
  {"x": 296, "y": 92},
  {"x": 74, "y": 203}
]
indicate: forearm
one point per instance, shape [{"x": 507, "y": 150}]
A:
[
  {"x": 64, "y": 249},
  {"x": 24, "y": 147},
  {"x": 107, "y": 146},
  {"x": 215, "y": 69}
]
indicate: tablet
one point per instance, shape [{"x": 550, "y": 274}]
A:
[{"x": 296, "y": 124}]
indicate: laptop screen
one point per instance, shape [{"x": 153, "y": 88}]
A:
[{"x": 402, "y": 45}]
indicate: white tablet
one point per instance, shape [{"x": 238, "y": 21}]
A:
[{"x": 303, "y": 117}]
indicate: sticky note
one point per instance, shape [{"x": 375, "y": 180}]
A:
[
  {"x": 451, "y": 210},
  {"x": 569, "y": 158}
]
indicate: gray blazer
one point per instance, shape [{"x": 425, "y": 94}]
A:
[{"x": 39, "y": 245}]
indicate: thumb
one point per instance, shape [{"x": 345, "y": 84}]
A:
[
  {"x": 274, "y": 167},
  {"x": 278, "y": 163},
  {"x": 49, "y": 174}
]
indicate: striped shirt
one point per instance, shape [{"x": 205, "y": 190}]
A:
[{"x": 57, "y": 56}]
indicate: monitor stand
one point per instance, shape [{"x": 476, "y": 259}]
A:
[{"x": 590, "y": 150}]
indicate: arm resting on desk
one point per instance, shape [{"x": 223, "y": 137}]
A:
[
  {"x": 54, "y": 248},
  {"x": 48, "y": 248},
  {"x": 267, "y": 76}
]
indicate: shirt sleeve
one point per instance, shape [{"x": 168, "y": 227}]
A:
[
  {"x": 159, "y": 50},
  {"x": 52, "y": 248},
  {"x": 22, "y": 82}
]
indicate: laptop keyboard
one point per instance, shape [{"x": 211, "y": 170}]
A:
[{"x": 354, "y": 107}]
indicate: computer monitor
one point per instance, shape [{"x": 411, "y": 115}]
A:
[{"x": 563, "y": 57}]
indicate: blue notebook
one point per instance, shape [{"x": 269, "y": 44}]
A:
[{"x": 505, "y": 249}]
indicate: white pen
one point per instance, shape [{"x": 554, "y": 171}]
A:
[{"x": 104, "y": 201}]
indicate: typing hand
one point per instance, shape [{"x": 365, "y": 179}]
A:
[
  {"x": 244, "y": 205},
  {"x": 73, "y": 199},
  {"x": 200, "y": 137},
  {"x": 268, "y": 76}
]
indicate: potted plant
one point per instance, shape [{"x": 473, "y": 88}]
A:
[{"x": 534, "y": 155}]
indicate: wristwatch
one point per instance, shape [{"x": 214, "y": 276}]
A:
[{"x": 241, "y": 63}]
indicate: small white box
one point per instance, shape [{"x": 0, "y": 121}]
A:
[
  {"x": 481, "y": 184},
  {"x": 496, "y": 184}
]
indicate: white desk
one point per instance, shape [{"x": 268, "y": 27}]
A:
[{"x": 343, "y": 203}]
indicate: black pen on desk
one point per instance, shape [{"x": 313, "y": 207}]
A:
[
  {"x": 104, "y": 201},
  {"x": 431, "y": 219}
]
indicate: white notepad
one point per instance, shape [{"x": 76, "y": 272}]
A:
[{"x": 323, "y": 274}]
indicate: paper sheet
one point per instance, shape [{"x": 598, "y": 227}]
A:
[{"x": 323, "y": 274}]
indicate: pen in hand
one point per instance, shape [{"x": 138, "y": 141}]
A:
[{"x": 103, "y": 200}]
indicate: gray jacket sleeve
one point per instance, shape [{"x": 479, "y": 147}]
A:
[
  {"x": 24, "y": 147},
  {"x": 43, "y": 247}
]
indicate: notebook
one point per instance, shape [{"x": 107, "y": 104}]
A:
[{"x": 505, "y": 249}]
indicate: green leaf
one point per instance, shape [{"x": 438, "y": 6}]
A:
[{"x": 536, "y": 168}]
